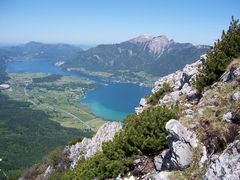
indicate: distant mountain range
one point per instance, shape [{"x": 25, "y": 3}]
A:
[
  {"x": 154, "y": 55},
  {"x": 137, "y": 60},
  {"x": 37, "y": 50}
]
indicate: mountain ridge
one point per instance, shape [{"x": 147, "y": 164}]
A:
[
  {"x": 143, "y": 53},
  {"x": 39, "y": 50}
]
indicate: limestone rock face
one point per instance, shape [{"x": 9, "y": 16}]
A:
[
  {"x": 163, "y": 175},
  {"x": 178, "y": 131},
  {"x": 180, "y": 80},
  {"x": 171, "y": 97},
  {"x": 227, "y": 165},
  {"x": 236, "y": 96},
  {"x": 142, "y": 105},
  {"x": 180, "y": 142},
  {"x": 228, "y": 117},
  {"x": 156, "y": 45},
  {"x": 48, "y": 172},
  {"x": 181, "y": 83},
  {"x": 89, "y": 147},
  {"x": 181, "y": 155},
  {"x": 231, "y": 74},
  {"x": 86, "y": 148}
]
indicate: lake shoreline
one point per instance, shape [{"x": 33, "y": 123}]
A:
[{"x": 113, "y": 102}]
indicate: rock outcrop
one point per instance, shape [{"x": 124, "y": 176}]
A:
[
  {"x": 231, "y": 74},
  {"x": 209, "y": 110},
  {"x": 236, "y": 96},
  {"x": 227, "y": 165},
  {"x": 181, "y": 83},
  {"x": 85, "y": 149},
  {"x": 181, "y": 80},
  {"x": 163, "y": 175},
  {"x": 88, "y": 147},
  {"x": 180, "y": 142},
  {"x": 228, "y": 117},
  {"x": 156, "y": 45}
]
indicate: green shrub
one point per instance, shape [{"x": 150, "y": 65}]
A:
[
  {"x": 220, "y": 56},
  {"x": 154, "y": 98},
  {"x": 75, "y": 140},
  {"x": 54, "y": 156},
  {"x": 142, "y": 134}
]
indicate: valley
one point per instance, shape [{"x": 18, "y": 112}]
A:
[
  {"x": 59, "y": 97},
  {"x": 28, "y": 134},
  {"x": 119, "y": 90}
]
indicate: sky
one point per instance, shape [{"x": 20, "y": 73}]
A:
[{"x": 113, "y": 21}]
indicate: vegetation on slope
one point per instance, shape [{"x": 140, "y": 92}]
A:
[
  {"x": 154, "y": 98},
  {"x": 142, "y": 134},
  {"x": 3, "y": 74},
  {"x": 145, "y": 134},
  {"x": 135, "y": 57},
  {"x": 37, "y": 50},
  {"x": 220, "y": 56},
  {"x": 27, "y": 130},
  {"x": 26, "y": 135}
]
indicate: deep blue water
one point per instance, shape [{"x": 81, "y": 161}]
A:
[
  {"x": 44, "y": 66},
  {"x": 113, "y": 101}
]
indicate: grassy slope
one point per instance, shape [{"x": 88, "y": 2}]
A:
[{"x": 58, "y": 98}]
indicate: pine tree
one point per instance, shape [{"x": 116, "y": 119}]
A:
[{"x": 220, "y": 56}]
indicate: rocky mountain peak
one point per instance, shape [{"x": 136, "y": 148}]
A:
[
  {"x": 141, "y": 39},
  {"x": 155, "y": 44},
  {"x": 158, "y": 44}
]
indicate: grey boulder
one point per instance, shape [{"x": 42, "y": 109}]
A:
[{"x": 227, "y": 165}]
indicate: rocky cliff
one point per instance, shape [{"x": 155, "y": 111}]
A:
[
  {"x": 204, "y": 141},
  {"x": 73, "y": 154}
]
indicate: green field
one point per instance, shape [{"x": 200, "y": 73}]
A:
[{"x": 59, "y": 96}]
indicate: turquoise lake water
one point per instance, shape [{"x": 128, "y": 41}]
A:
[{"x": 112, "y": 102}]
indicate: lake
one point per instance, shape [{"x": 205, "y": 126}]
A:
[{"x": 113, "y": 101}]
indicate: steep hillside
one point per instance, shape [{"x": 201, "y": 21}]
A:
[
  {"x": 153, "y": 55},
  {"x": 27, "y": 134},
  {"x": 191, "y": 129}
]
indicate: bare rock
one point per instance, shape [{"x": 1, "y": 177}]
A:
[
  {"x": 142, "y": 106},
  {"x": 231, "y": 74},
  {"x": 227, "y": 165},
  {"x": 48, "y": 172},
  {"x": 180, "y": 142},
  {"x": 163, "y": 161},
  {"x": 192, "y": 94},
  {"x": 171, "y": 97},
  {"x": 204, "y": 157},
  {"x": 178, "y": 131},
  {"x": 88, "y": 147},
  {"x": 236, "y": 96},
  {"x": 163, "y": 175},
  {"x": 181, "y": 155},
  {"x": 228, "y": 117}
]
